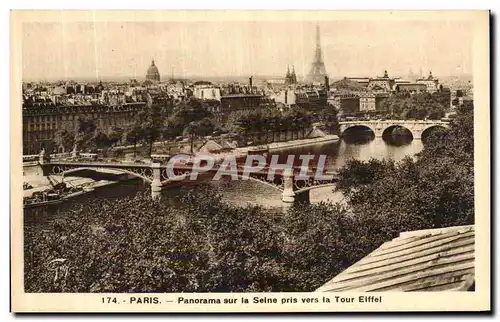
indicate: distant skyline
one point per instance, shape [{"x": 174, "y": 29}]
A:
[{"x": 98, "y": 50}]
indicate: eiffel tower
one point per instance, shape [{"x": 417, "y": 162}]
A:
[{"x": 318, "y": 70}]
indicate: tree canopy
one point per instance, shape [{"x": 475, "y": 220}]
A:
[{"x": 417, "y": 106}]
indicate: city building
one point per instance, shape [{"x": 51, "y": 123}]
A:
[
  {"x": 381, "y": 84},
  {"x": 275, "y": 82},
  {"x": 50, "y": 108},
  {"x": 153, "y": 74},
  {"x": 42, "y": 121},
  {"x": 412, "y": 88},
  {"x": 430, "y": 82},
  {"x": 209, "y": 95},
  {"x": 346, "y": 103},
  {"x": 232, "y": 102},
  {"x": 363, "y": 81},
  {"x": 290, "y": 78},
  {"x": 206, "y": 91},
  {"x": 367, "y": 102},
  {"x": 308, "y": 98}
]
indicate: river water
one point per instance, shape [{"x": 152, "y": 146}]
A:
[{"x": 250, "y": 192}]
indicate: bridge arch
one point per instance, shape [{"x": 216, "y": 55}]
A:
[
  {"x": 416, "y": 127},
  {"x": 426, "y": 131},
  {"x": 274, "y": 185},
  {"x": 347, "y": 128},
  {"x": 303, "y": 195},
  {"x": 63, "y": 172},
  {"x": 307, "y": 189},
  {"x": 387, "y": 130},
  {"x": 267, "y": 183}
]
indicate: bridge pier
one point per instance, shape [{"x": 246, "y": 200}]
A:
[
  {"x": 156, "y": 186},
  {"x": 303, "y": 197},
  {"x": 41, "y": 157},
  {"x": 288, "y": 194},
  {"x": 74, "y": 153}
]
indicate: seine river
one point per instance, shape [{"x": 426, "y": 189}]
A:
[{"x": 250, "y": 192}]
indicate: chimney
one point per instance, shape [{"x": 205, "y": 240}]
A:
[
  {"x": 327, "y": 84},
  {"x": 250, "y": 82}
]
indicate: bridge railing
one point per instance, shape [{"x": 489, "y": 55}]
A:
[
  {"x": 88, "y": 156},
  {"x": 160, "y": 157},
  {"x": 58, "y": 156},
  {"x": 55, "y": 156},
  {"x": 31, "y": 157},
  {"x": 393, "y": 121}
]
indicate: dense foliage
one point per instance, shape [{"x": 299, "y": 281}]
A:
[
  {"x": 416, "y": 106},
  {"x": 267, "y": 125},
  {"x": 136, "y": 245}
]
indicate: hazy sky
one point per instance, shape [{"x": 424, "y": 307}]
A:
[{"x": 350, "y": 48}]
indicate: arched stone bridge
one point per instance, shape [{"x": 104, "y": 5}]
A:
[
  {"x": 417, "y": 128},
  {"x": 292, "y": 187}
]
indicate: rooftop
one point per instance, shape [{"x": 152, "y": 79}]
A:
[{"x": 424, "y": 260}]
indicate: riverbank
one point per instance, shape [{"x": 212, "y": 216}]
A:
[
  {"x": 303, "y": 142},
  {"x": 242, "y": 152},
  {"x": 88, "y": 184},
  {"x": 275, "y": 146}
]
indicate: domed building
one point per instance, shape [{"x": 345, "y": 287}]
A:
[{"x": 153, "y": 74}]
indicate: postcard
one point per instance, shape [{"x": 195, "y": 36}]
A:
[{"x": 250, "y": 161}]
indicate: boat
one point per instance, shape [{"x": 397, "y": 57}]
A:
[
  {"x": 80, "y": 191},
  {"x": 74, "y": 194},
  {"x": 261, "y": 149},
  {"x": 48, "y": 199},
  {"x": 42, "y": 203}
]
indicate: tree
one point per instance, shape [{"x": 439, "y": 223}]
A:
[
  {"x": 84, "y": 132},
  {"x": 132, "y": 135},
  {"x": 65, "y": 138},
  {"x": 152, "y": 123},
  {"x": 99, "y": 140},
  {"x": 115, "y": 135},
  {"x": 330, "y": 118},
  {"x": 415, "y": 106},
  {"x": 297, "y": 119},
  {"x": 184, "y": 113},
  {"x": 137, "y": 245},
  {"x": 196, "y": 129}
]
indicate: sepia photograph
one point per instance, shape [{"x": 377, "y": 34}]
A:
[{"x": 198, "y": 154}]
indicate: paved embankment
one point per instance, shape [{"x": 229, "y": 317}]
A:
[{"x": 41, "y": 183}]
